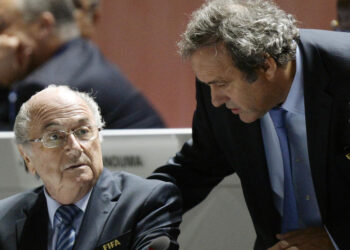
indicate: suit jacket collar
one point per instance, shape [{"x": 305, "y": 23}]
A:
[
  {"x": 103, "y": 199},
  {"x": 32, "y": 229},
  {"x": 318, "y": 105}
]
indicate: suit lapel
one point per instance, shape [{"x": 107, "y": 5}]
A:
[
  {"x": 318, "y": 106},
  {"x": 102, "y": 201},
  {"x": 32, "y": 230}
]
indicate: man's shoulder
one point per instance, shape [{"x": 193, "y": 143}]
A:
[
  {"x": 127, "y": 179},
  {"x": 132, "y": 184},
  {"x": 320, "y": 33},
  {"x": 69, "y": 65},
  {"x": 324, "y": 39},
  {"x": 13, "y": 205},
  {"x": 332, "y": 48},
  {"x": 139, "y": 181},
  {"x": 79, "y": 65}
]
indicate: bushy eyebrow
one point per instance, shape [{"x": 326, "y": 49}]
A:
[
  {"x": 52, "y": 124},
  {"x": 216, "y": 82}
]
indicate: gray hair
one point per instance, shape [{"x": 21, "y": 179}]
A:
[
  {"x": 23, "y": 118},
  {"x": 251, "y": 30},
  {"x": 62, "y": 10}
]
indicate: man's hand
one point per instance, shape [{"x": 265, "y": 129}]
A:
[
  {"x": 312, "y": 238},
  {"x": 14, "y": 58}
]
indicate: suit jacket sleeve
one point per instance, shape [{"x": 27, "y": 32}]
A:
[
  {"x": 200, "y": 165},
  {"x": 160, "y": 216}
]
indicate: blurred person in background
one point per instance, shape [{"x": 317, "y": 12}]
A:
[
  {"x": 81, "y": 205},
  {"x": 342, "y": 23},
  {"x": 273, "y": 107},
  {"x": 40, "y": 44},
  {"x": 87, "y": 14}
]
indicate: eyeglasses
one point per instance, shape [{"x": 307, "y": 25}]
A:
[{"x": 57, "y": 138}]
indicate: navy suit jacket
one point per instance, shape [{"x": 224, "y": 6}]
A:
[
  {"x": 222, "y": 144},
  {"x": 80, "y": 65},
  {"x": 124, "y": 211}
]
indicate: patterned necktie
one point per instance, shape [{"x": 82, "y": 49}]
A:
[
  {"x": 290, "y": 211},
  {"x": 64, "y": 216}
]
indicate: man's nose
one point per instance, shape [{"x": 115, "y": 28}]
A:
[
  {"x": 72, "y": 146},
  {"x": 218, "y": 97}
]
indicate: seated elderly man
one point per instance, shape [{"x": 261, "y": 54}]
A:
[{"x": 81, "y": 205}]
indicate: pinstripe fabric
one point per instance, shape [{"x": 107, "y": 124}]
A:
[{"x": 66, "y": 234}]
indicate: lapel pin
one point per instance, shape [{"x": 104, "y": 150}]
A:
[{"x": 347, "y": 152}]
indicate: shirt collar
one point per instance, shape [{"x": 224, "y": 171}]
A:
[
  {"x": 295, "y": 99},
  {"x": 52, "y": 205}
]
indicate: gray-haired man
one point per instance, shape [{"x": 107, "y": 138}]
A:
[
  {"x": 272, "y": 106},
  {"x": 81, "y": 205}
]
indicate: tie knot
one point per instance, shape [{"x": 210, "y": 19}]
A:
[
  {"x": 278, "y": 116},
  {"x": 65, "y": 214}
]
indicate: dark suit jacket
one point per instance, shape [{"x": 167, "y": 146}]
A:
[
  {"x": 223, "y": 145},
  {"x": 80, "y": 65},
  {"x": 122, "y": 207}
]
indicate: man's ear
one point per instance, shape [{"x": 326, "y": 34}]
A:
[
  {"x": 270, "y": 68},
  {"x": 28, "y": 163},
  {"x": 45, "y": 25}
]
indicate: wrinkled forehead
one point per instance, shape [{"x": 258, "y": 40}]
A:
[
  {"x": 58, "y": 108},
  {"x": 9, "y": 12},
  {"x": 9, "y": 5},
  {"x": 216, "y": 54}
]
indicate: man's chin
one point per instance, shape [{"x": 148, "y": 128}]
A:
[{"x": 248, "y": 118}]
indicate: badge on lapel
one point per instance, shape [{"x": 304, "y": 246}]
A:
[
  {"x": 121, "y": 242},
  {"x": 111, "y": 245},
  {"x": 347, "y": 152}
]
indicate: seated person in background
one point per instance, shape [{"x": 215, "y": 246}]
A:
[
  {"x": 40, "y": 44},
  {"x": 87, "y": 14},
  {"x": 343, "y": 16},
  {"x": 80, "y": 204}
]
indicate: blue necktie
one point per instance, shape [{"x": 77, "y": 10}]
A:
[
  {"x": 290, "y": 211},
  {"x": 64, "y": 216}
]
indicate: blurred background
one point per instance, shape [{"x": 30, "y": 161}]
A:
[{"x": 140, "y": 37}]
